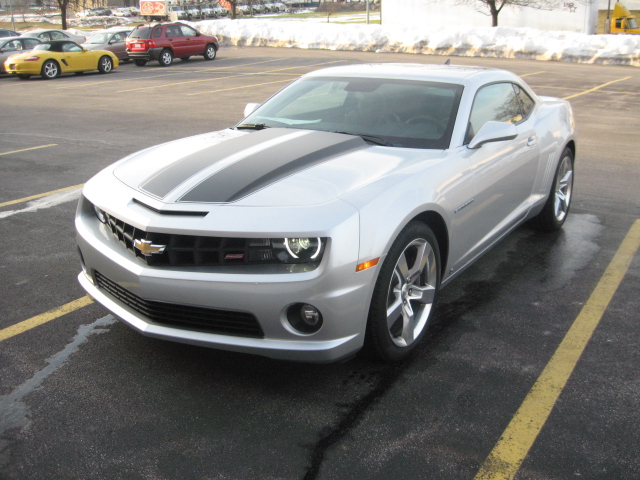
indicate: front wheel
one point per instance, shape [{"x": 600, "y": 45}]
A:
[
  {"x": 405, "y": 293},
  {"x": 555, "y": 211},
  {"x": 50, "y": 69},
  {"x": 210, "y": 52},
  {"x": 166, "y": 57},
  {"x": 105, "y": 64}
]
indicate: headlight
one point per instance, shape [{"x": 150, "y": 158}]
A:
[{"x": 298, "y": 250}]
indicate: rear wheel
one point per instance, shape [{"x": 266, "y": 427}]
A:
[
  {"x": 166, "y": 57},
  {"x": 140, "y": 63},
  {"x": 50, "y": 69},
  {"x": 405, "y": 293},
  {"x": 105, "y": 64},
  {"x": 210, "y": 52},
  {"x": 555, "y": 211}
]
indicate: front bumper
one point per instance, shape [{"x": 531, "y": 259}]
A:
[{"x": 334, "y": 288}]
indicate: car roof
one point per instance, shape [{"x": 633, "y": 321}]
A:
[{"x": 459, "y": 74}]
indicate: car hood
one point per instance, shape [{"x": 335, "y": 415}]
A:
[{"x": 270, "y": 167}]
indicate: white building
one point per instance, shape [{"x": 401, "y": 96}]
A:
[{"x": 571, "y": 15}]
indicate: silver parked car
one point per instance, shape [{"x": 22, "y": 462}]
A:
[
  {"x": 112, "y": 40},
  {"x": 331, "y": 216},
  {"x": 13, "y": 45},
  {"x": 45, "y": 35}
]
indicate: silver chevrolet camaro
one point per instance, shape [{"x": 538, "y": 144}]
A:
[{"x": 331, "y": 216}]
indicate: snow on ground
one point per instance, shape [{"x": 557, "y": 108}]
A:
[{"x": 503, "y": 42}]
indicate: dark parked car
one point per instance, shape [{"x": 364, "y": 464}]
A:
[
  {"x": 163, "y": 42},
  {"x": 8, "y": 33}
]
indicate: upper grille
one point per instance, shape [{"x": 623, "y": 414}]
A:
[
  {"x": 211, "y": 320},
  {"x": 190, "y": 250}
]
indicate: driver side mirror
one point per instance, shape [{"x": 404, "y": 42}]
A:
[
  {"x": 250, "y": 108},
  {"x": 493, "y": 131}
]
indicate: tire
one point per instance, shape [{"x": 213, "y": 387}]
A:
[
  {"x": 185, "y": 59},
  {"x": 50, "y": 70},
  {"x": 24, "y": 76},
  {"x": 405, "y": 294},
  {"x": 210, "y": 52},
  {"x": 105, "y": 64},
  {"x": 166, "y": 57},
  {"x": 140, "y": 63},
  {"x": 555, "y": 211}
]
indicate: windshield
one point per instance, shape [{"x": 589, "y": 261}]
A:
[
  {"x": 98, "y": 38},
  {"x": 400, "y": 113}
]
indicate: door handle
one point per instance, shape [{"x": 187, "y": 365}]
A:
[{"x": 532, "y": 141}]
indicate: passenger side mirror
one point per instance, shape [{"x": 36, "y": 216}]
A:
[
  {"x": 493, "y": 132},
  {"x": 250, "y": 108}
]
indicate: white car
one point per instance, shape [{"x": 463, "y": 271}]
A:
[
  {"x": 122, "y": 12},
  {"x": 331, "y": 215}
]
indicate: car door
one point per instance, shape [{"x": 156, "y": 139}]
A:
[
  {"x": 504, "y": 171},
  {"x": 193, "y": 44},
  {"x": 117, "y": 45},
  {"x": 78, "y": 59},
  {"x": 176, "y": 40}
]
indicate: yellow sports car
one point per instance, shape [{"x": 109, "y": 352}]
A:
[{"x": 50, "y": 59}]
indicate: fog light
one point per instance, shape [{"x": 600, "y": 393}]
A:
[{"x": 304, "y": 318}]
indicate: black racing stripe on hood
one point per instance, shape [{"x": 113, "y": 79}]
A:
[
  {"x": 270, "y": 165},
  {"x": 167, "y": 179}
]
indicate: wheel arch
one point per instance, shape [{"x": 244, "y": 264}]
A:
[{"x": 436, "y": 223}]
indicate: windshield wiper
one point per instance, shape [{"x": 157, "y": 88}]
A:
[
  {"x": 252, "y": 126},
  {"x": 369, "y": 138}
]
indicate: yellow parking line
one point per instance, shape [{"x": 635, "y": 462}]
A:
[
  {"x": 508, "y": 454},
  {"x": 39, "y": 195},
  {"x": 31, "y": 148},
  {"x": 215, "y": 79},
  {"x": 534, "y": 73},
  {"x": 33, "y": 322},
  {"x": 239, "y": 88},
  {"x": 596, "y": 88},
  {"x": 173, "y": 74}
]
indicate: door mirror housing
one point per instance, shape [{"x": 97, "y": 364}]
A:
[
  {"x": 250, "y": 108},
  {"x": 493, "y": 132}
]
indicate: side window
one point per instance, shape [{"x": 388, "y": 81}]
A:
[
  {"x": 30, "y": 43},
  {"x": 157, "y": 33},
  {"x": 525, "y": 100},
  {"x": 188, "y": 31},
  {"x": 57, "y": 36},
  {"x": 497, "y": 102},
  {"x": 173, "y": 31}
]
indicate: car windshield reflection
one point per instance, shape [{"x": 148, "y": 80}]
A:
[{"x": 402, "y": 113}]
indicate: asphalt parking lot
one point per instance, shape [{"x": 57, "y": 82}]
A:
[{"x": 502, "y": 388}]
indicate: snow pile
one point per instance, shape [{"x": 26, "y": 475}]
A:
[{"x": 504, "y": 42}]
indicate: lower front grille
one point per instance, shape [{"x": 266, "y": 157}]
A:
[{"x": 209, "y": 320}]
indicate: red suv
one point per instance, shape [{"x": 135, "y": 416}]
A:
[{"x": 164, "y": 41}]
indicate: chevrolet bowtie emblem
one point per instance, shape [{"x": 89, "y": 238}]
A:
[{"x": 147, "y": 248}]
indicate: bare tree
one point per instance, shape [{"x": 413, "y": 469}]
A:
[
  {"x": 494, "y": 7},
  {"x": 63, "y": 5}
]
